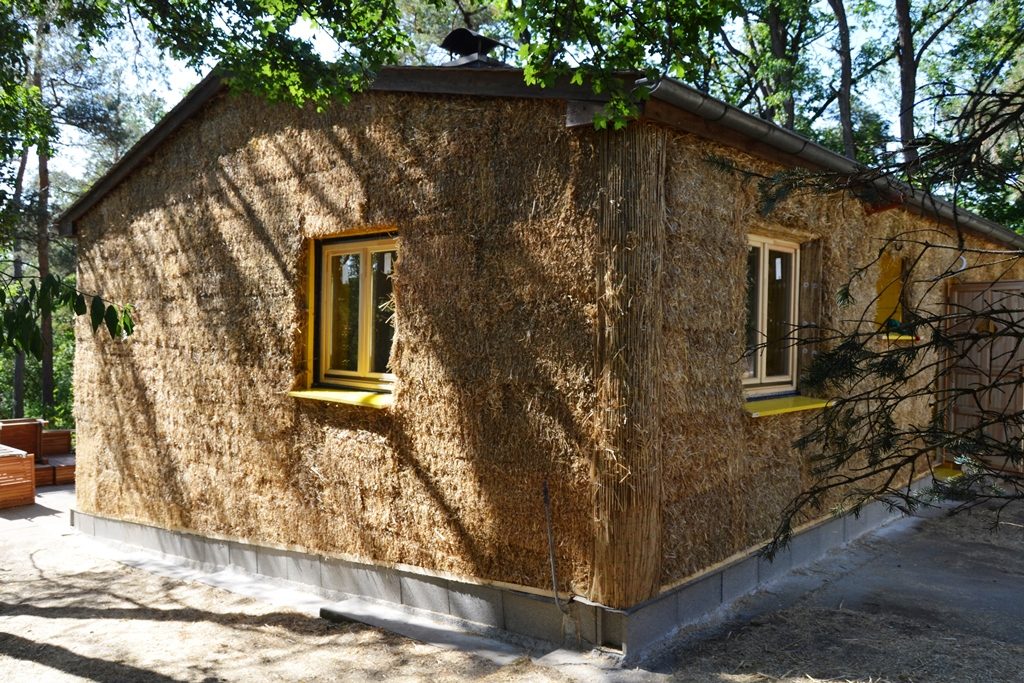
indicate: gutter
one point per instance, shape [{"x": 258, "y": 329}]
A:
[{"x": 727, "y": 116}]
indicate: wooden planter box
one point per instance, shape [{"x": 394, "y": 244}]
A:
[
  {"x": 56, "y": 442},
  {"x": 17, "y": 477},
  {"x": 24, "y": 434}
]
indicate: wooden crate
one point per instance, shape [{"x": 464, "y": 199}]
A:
[
  {"x": 56, "y": 442},
  {"x": 17, "y": 477},
  {"x": 63, "y": 468}
]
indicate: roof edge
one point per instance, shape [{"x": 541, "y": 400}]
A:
[
  {"x": 198, "y": 96},
  {"x": 720, "y": 113}
]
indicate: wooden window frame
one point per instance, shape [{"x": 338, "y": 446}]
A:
[
  {"x": 760, "y": 384},
  {"x": 361, "y": 378}
]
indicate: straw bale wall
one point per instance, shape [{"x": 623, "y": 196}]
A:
[
  {"x": 570, "y": 308},
  {"x": 187, "y": 425},
  {"x": 727, "y": 476}
]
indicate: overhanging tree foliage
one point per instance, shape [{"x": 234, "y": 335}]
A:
[{"x": 956, "y": 358}]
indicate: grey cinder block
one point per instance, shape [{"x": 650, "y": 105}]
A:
[
  {"x": 739, "y": 579},
  {"x": 700, "y": 598},
  {"x": 361, "y": 580},
  {"x": 204, "y": 550},
  {"x": 304, "y": 568},
  {"x": 424, "y": 592},
  {"x": 588, "y": 623},
  {"x": 272, "y": 562},
  {"x": 142, "y": 536},
  {"x": 613, "y": 628},
  {"x": 243, "y": 556},
  {"x": 815, "y": 542},
  {"x": 216, "y": 553},
  {"x": 169, "y": 543},
  {"x": 778, "y": 567},
  {"x": 532, "y": 615},
  {"x": 651, "y": 622},
  {"x": 110, "y": 529},
  {"x": 478, "y": 604},
  {"x": 83, "y": 522}
]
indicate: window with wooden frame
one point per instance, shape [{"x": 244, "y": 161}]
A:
[
  {"x": 772, "y": 310},
  {"x": 354, "y": 316}
]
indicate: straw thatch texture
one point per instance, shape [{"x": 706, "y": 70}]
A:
[
  {"x": 187, "y": 424},
  {"x": 627, "y": 462}
]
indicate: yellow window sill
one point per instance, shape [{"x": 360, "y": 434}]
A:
[
  {"x": 370, "y": 399},
  {"x": 901, "y": 337},
  {"x": 785, "y": 404}
]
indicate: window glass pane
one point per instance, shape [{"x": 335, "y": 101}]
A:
[
  {"x": 383, "y": 264},
  {"x": 343, "y": 344},
  {"x": 753, "y": 306},
  {"x": 780, "y": 314}
]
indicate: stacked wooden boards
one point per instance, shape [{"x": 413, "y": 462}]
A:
[{"x": 17, "y": 477}]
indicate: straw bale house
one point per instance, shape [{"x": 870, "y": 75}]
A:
[{"x": 391, "y": 349}]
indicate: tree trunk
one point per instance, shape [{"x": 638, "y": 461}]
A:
[
  {"x": 43, "y": 240},
  {"x": 908, "y": 79},
  {"x": 18, "y": 399},
  {"x": 777, "y": 45},
  {"x": 18, "y": 407},
  {"x": 845, "y": 95}
]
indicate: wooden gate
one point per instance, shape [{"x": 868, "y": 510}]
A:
[{"x": 988, "y": 363}]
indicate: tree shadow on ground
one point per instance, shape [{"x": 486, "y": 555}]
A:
[{"x": 63, "y": 659}]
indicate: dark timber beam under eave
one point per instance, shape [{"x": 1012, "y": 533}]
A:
[{"x": 443, "y": 80}]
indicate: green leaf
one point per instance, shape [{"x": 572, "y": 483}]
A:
[
  {"x": 113, "y": 321},
  {"x": 79, "y": 306},
  {"x": 97, "y": 312},
  {"x": 127, "y": 322},
  {"x": 35, "y": 345}
]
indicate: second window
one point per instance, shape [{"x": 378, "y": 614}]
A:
[{"x": 772, "y": 268}]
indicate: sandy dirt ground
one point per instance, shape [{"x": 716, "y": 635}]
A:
[
  {"x": 933, "y": 600},
  {"x": 69, "y": 613}
]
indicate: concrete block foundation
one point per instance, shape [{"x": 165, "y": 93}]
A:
[{"x": 579, "y": 624}]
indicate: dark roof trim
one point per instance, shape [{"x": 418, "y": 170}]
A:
[
  {"x": 147, "y": 144},
  {"x": 786, "y": 141},
  {"x": 509, "y": 83}
]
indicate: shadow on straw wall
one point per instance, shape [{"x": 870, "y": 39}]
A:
[{"x": 494, "y": 353}]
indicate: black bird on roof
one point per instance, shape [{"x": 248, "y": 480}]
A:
[{"x": 472, "y": 48}]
